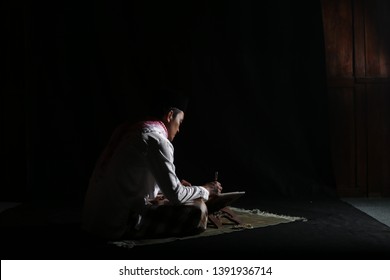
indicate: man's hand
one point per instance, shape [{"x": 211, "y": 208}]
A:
[
  {"x": 214, "y": 188},
  {"x": 185, "y": 183},
  {"x": 159, "y": 200}
]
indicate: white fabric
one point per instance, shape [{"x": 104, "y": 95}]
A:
[{"x": 136, "y": 165}]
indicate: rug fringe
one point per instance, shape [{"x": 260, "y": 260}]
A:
[{"x": 267, "y": 214}]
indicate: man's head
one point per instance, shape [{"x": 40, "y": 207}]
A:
[
  {"x": 169, "y": 106},
  {"x": 172, "y": 120}
]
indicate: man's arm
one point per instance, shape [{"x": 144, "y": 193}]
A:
[{"x": 160, "y": 157}]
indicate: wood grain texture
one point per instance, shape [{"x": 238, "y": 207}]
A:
[{"x": 357, "y": 39}]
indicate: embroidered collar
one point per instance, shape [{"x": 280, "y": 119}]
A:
[{"x": 155, "y": 125}]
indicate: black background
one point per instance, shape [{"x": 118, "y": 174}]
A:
[{"x": 255, "y": 71}]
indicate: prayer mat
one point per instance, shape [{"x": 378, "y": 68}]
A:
[{"x": 250, "y": 219}]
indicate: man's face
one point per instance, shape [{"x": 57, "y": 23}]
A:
[{"x": 173, "y": 124}]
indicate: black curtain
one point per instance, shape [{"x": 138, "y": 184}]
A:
[{"x": 255, "y": 71}]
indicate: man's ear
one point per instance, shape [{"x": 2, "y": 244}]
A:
[{"x": 169, "y": 116}]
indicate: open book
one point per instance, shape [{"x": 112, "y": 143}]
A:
[{"x": 222, "y": 200}]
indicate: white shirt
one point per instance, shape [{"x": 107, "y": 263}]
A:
[{"x": 135, "y": 166}]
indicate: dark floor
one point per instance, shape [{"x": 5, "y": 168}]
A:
[
  {"x": 334, "y": 230},
  {"x": 376, "y": 207}
]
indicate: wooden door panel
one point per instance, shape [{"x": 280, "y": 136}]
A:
[
  {"x": 378, "y": 104},
  {"x": 342, "y": 128}
]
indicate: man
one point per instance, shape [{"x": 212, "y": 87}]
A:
[{"x": 134, "y": 191}]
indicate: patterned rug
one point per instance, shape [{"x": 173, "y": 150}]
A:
[{"x": 250, "y": 219}]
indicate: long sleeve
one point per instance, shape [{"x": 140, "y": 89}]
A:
[{"x": 160, "y": 157}]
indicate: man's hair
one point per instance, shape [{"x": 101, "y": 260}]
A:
[
  {"x": 175, "y": 111},
  {"x": 165, "y": 100}
]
